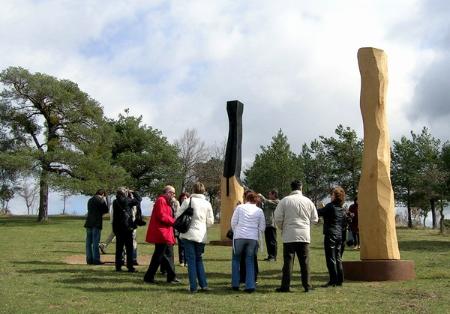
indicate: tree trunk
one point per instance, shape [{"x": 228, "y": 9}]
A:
[
  {"x": 64, "y": 205},
  {"x": 441, "y": 220},
  {"x": 43, "y": 197},
  {"x": 409, "y": 214},
  {"x": 433, "y": 212}
]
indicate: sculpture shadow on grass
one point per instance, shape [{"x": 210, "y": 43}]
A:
[
  {"x": 39, "y": 263},
  {"x": 29, "y": 222},
  {"x": 429, "y": 246}
]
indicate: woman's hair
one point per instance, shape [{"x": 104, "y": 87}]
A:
[
  {"x": 182, "y": 195},
  {"x": 252, "y": 197},
  {"x": 122, "y": 191},
  {"x": 339, "y": 195},
  {"x": 198, "y": 188},
  {"x": 274, "y": 192}
]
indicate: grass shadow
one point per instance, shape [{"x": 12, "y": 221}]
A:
[
  {"x": 429, "y": 246},
  {"x": 39, "y": 263}
]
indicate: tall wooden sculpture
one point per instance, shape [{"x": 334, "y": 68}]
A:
[
  {"x": 231, "y": 189},
  {"x": 380, "y": 257}
]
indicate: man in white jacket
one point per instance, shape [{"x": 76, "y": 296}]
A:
[{"x": 293, "y": 216}]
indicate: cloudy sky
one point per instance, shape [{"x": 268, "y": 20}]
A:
[{"x": 292, "y": 63}]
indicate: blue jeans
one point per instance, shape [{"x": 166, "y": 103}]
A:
[
  {"x": 248, "y": 248},
  {"x": 193, "y": 252},
  {"x": 92, "y": 241}
]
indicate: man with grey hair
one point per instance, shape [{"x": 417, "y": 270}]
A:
[{"x": 293, "y": 216}]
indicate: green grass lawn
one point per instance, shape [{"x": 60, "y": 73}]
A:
[{"x": 35, "y": 279}]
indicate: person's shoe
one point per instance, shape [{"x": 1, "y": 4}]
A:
[
  {"x": 152, "y": 281},
  {"x": 282, "y": 290},
  {"x": 339, "y": 284},
  {"x": 135, "y": 263},
  {"x": 192, "y": 291},
  {"x": 102, "y": 248},
  {"x": 98, "y": 263},
  {"x": 235, "y": 288},
  {"x": 174, "y": 281},
  {"x": 132, "y": 270},
  {"x": 205, "y": 289},
  {"x": 270, "y": 259},
  {"x": 249, "y": 290},
  {"x": 309, "y": 289},
  {"x": 118, "y": 269},
  {"x": 328, "y": 284}
]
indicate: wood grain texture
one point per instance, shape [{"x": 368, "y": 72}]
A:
[{"x": 375, "y": 195}]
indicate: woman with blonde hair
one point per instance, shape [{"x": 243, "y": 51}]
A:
[
  {"x": 195, "y": 238},
  {"x": 333, "y": 216}
]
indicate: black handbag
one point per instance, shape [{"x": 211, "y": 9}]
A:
[
  {"x": 183, "y": 222},
  {"x": 230, "y": 234}
]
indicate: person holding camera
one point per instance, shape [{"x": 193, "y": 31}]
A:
[
  {"x": 94, "y": 220},
  {"x": 333, "y": 216},
  {"x": 124, "y": 225}
]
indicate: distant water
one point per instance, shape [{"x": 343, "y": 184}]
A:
[
  {"x": 75, "y": 205},
  {"x": 428, "y": 221}
]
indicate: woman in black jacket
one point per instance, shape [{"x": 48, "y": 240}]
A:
[
  {"x": 333, "y": 216},
  {"x": 123, "y": 225}
]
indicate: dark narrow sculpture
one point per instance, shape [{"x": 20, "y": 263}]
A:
[{"x": 231, "y": 187}]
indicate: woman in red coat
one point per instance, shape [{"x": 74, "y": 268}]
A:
[{"x": 160, "y": 232}]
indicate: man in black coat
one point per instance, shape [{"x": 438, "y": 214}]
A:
[
  {"x": 96, "y": 207},
  {"x": 333, "y": 216},
  {"x": 124, "y": 224}
]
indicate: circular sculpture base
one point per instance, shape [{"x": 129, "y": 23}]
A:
[
  {"x": 222, "y": 242},
  {"x": 379, "y": 270}
]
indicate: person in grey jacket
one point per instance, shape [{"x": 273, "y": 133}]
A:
[
  {"x": 270, "y": 234},
  {"x": 294, "y": 215}
]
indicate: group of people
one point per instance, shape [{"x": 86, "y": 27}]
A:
[
  {"x": 126, "y": 216},
  {"x": 253, "y": 219}
]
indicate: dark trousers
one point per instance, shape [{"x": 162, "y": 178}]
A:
[
  {"x": 355, "y": 238},
  {"x": 243, "y": 268},
  {"x": 344, "y": 241},
  {"x": 181, "y": 254},
  {"x": 333, "y": 258},
  {"x": 289, "y": 251},
  {"x": 124, "y": 238},
  {"x": 163, "y": 255},
  {"x": 270, "y": 235}
]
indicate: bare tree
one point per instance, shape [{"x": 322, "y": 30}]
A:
[
  {"x": 192, "y": 151},
  {"x": 65, "y": 194},
  {"x": 210, "y": 173},
  {"x": 29, "y": 191}
]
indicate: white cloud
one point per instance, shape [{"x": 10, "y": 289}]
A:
[{"x": 292, "y": 63}]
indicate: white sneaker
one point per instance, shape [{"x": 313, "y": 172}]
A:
[{"x": 102, "y": 247}]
